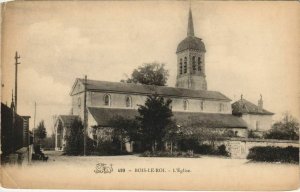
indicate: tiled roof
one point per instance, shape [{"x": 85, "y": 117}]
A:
[
  {"x": 67, "y": 120},
  {"x": 243, "y": 106},
  {"x": 191, "y": 42},
  {"x": 133, "y": 88},
  {"x": 210, "y": 120}
]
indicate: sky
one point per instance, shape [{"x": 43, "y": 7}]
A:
[{"x": 252, "y": 48}]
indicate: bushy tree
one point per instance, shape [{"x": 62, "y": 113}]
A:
[
  {"x": 40, "y": 132},
  {"x": 49, "y": 142},
  {"x": 75, "y": 139},
  {"x": 149, "y": 74},
  {"x": 286, "y": 128},
  {"x": 125, "y": 130},
  {"x": 154, "y": 117}
]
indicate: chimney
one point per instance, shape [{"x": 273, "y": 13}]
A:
[{"x": 260, "y": 104}]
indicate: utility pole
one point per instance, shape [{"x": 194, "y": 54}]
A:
[
  {"x": 12, "y": 106},
  {"x": 16, "y": 80},
  {"x": 34, "y": 123},
  {"x": 84, "y": 117}
]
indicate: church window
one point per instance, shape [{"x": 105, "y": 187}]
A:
[
  {"x": 199, "y": 63},
  {"x": 185, "y": 65},
  {"x": 107, "y": 100},
  {"x": 194, "y": 63},
  {"x": 185, "y": 105},
  {"x": 257, "y": 125},
  {"x": 202, "y": 105},
  {"x": 128, "y": 101},
  {"x": 221, "y": 107},
  {"x": 180, "y": 67},
  {"x": 79, "y": 102}
]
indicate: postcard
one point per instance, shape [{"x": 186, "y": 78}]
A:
[{"x": 150, "y": 95}]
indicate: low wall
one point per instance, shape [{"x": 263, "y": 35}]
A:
[
  {"x": 239, "y": 147},
  {"x": 20, "y": 157}
]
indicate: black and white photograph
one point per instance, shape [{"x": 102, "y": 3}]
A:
[{"x": 150, "y": 95}]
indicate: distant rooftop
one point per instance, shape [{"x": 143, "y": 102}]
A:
[{"x": 243, "y": 106}]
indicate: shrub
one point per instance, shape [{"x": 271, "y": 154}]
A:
[
  {"x": 169, "y": 154},
  {"x": 274, "y": 154},
  {"x": 109, "y": 148},
  {"x": 204, "y": 149},
  {"x": 252, "y": 134},
  {"x": 222, "y": 150}
]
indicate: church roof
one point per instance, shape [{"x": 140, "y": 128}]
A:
[
  {"x": 209, "y": 120},
  {"x": 191, "y": 42},
  {"x": 67, "y": 120},
  {"x": 132, "y": 88},
  {"x": 243, "y": 106}
]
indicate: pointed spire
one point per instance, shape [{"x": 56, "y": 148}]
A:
[{"x": 190, "y": 30}]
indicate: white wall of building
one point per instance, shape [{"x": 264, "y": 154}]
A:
[{"x": 258, "y": 122}]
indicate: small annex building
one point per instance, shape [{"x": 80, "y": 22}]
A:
[
  {"x": 257, "y": 118},
  {"x": 62, "y": 124}
]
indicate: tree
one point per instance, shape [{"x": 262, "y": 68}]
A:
[
  {"x": 286, "y": 128},
  {"x": 125, "y": 130},
  {"x": 172, "y": 134},
  {"x": 149, "y": 74},
  {"x": 49, "y": 142},
  {"x": 154, "y": 118},
  {"x": 40, "y": 132},
  {"x": 74, "y": 138}
]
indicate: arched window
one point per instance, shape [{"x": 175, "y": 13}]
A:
[
  {"x": 221, "y": 107},
  {"x": 128, "y": 101},
  {"x": 202, "y": 105},
  {"x": 185, "y": 105},
  {"x": 194, "y": 63},
  {"x": 185, "y": 65},
  {"x": 199, "y": 63},
  {"x": 257, "y": 125},
  {"x": 107, "y": 100},
  {"x": 79, "y": 102},
  {"x": 180, "y": 66}
]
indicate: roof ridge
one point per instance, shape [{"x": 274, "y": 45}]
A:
[{"x": 139, "y": 84}]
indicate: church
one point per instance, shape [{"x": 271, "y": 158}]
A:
[{"x": 191, "y": 100}]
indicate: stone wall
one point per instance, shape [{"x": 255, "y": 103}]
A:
[{"x": 239, "y": 147}]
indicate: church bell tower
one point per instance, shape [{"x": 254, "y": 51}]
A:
[{"x": 191, "y": 60}]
